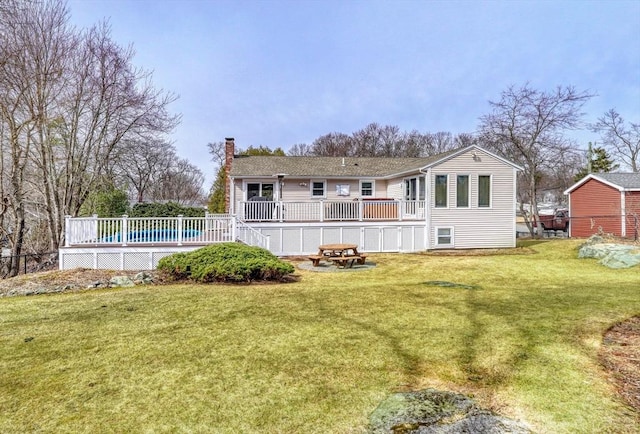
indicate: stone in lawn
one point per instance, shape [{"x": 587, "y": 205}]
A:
[
  {"x": 143, "y": 278},
  {"x": 121, "y": 281},
  {"x": 437, "y": 412}
]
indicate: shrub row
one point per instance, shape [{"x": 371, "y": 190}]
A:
[
  {"x": 169, "y": 209},
  {"x": 225, "y": 262}
]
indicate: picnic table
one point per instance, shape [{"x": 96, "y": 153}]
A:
[{"x": 342, "y": 255}]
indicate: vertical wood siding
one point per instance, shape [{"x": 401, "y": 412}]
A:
[
  {"x": 632, "y": 202},
  {"x": 594, "y": 206}
]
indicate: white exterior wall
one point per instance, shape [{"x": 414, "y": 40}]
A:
[
  {"x": 395, "y": 188},
  {"x": 284, "y": 240},
  {"x": 304, "y": 239},
  {"x": 299, "y": 190},
  {"x": 475, "y": 227}
]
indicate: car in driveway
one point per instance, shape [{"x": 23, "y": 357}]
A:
[{"x": 558, "y": 220}]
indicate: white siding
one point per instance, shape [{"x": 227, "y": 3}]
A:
[
  {"x": 476, "y": 227},
  {"x": 304, "y": 239},
  {"x": 395, "y": 188},
  {"x": 293, "y": 191}
]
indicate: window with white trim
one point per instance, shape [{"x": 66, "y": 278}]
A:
[
  {"x": 444, "y": 236},
  {"x": 263, "y": 189},
  {"x": 484, "y": 191},
  {"x": 462, "y": 191},
  {"x": 366, "y": 188},
  {"x": 318, "y": 189},
  {"x": 441, "y": 191}
]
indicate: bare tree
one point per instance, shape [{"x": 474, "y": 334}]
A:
[
  {"x": 464, "y": 140},
  {"x": 143, "y": 164},
  {"x": 376, "y": 140},
  {"x": 217, "y": 153},
  {"x": 30, "y": 40},
  {"x": 527, "y": 126},
  {"x": 622, "y": 141},
  {"x": 383, "y": 141},
  {"x": 333, "y": 145},
  {"x": 559, "y": 175},
  {"x": 181, "y": 183},
  {"x": 299, "y": 150},
  {"x": 68, "y": 102}
]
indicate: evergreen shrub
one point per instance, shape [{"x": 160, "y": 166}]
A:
[
  {"x": 225, "y": 262},
  {"x": 169, "y": 209}
]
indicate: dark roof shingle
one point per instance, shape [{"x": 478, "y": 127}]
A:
[
  {"x": 329, "y": 167},
  {"x": 624, "y": 180},
  {"x": 324, "y": 166}
]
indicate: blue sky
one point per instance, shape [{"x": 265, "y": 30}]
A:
[{"x": 278, "y": 73}]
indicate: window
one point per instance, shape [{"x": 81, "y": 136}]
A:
[
  {"x": 260, "y": 189},
  {"x": 444, "y": 236},
  {"x": 366, "y": 188},
  {"x": 317, "y": 189},
  {"x": 462, "y": 191},
  {"x": 484, "y": 191},
  {"x": 441, "y": 191}
]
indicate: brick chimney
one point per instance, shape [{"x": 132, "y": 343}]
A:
[{"x": 229, "y": 150}]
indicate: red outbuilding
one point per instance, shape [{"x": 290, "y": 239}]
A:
[{"x": 605, "y": 203}]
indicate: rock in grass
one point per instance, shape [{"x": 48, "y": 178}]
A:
[
  {"x": 612, "y": 255},
  {"x": 121, "y": 281},
  {"x": 621, "y": 259},
  {"x": 143, "y": 278},
  {"x": 437, "y": 412}
]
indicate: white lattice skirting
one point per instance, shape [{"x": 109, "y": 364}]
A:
[{"x": 117, "y": 258}]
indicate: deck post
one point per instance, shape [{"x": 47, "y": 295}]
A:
[
  {"x": 180, "y": 229},
  {"x": 125, "y": 230},
  {"x": 234, "y": 220},
  {"x": 67, "y": 230},
  {"x": 96, "y": 228}
]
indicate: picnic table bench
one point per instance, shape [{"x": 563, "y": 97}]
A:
[
  {"x": 342, "y": 255},
  {"x": 348, "y": 260}
]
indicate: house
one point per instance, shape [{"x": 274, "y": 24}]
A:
[
  {"x": 461, "y": 199},
  {"x": 607, "y": 203},
  {"x": 465, "y": 198}
]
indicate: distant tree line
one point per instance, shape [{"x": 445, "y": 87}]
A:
[{"x": 376, "y": 140}]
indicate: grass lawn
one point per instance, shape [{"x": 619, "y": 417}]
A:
[{"x": 317, "y": 356}]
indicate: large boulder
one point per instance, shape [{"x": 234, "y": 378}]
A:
[
  {"x": 432, "y": 411},
  {"x": 610, "y": 254}
]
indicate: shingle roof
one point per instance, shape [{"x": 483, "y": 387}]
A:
[
  {"x": 357, "y": 167},
  {"x": 325, "y": 166},
  {"x": 624, "y": 180}
]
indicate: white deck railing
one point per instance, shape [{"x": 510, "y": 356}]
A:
[
  {"x": 217, "y": 228},
  {"x": 319, "y": 211},
  {"x": 250, "y": 236},
  {"x": 124, "y": 231}
]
